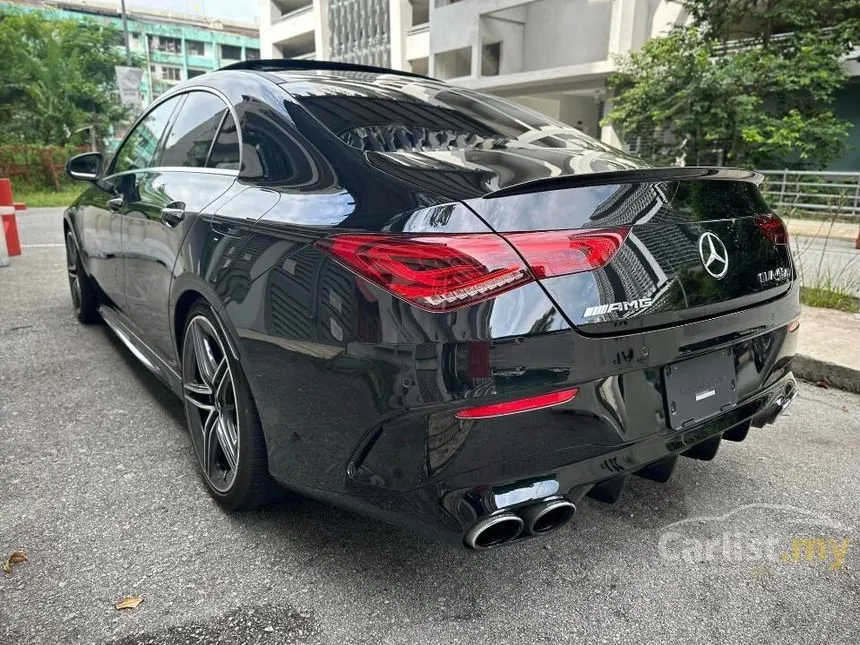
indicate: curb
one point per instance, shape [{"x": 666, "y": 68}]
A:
[{"x": 833, "y": 375}]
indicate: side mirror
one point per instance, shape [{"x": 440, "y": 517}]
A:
[{"x": 85, "y": 167}]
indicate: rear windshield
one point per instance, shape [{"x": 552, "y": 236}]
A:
[{"x": 394, "y": 114}]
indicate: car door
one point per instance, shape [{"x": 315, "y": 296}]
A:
[
  {"x": 103, "y": 215},
  {"x": 170, "y": 196}
]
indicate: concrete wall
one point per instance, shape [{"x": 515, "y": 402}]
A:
[
  {"x": 507, "y": 28},
  {"x": 566, "y": 32}
]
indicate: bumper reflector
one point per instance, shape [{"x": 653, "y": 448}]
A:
[{"x": 519, "y": 405}]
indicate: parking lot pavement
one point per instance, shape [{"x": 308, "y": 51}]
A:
[{"x": 98, "y": 486}]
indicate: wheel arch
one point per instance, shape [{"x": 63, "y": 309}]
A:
[{"x": 188, "y": 289}]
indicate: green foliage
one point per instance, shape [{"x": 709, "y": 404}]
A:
[
  {"x": 36, "y": 165},
  {"x": 56, "y": 76},
  {"x": 747, "y": 83}
]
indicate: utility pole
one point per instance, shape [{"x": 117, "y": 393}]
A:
[{"x": 125, "y": 34}]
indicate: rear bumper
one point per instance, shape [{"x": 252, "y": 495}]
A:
[
  {"x": 450, "y": 506},
  {"x": 370, "y": 425}
]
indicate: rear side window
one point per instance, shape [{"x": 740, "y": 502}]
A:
[
  {"x": 138, "y": 149},
  {"x": 271, "y": 152},
  {"x": 193, "y": 131},
  {"x": 225, "y": 151},
  {"x": 406, "y": 115}
]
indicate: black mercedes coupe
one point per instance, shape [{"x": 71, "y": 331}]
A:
[{"x": 429, "y": 305}]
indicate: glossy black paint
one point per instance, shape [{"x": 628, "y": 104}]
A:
[{"x": 357, "y": 389}]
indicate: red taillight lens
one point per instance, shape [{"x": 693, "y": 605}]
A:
[
  {"x": 773, "y": 228},
  {"x": 434, "y": 272},
  {"x": 554, "y": 253},
  {"x": 520, "y": 405}
]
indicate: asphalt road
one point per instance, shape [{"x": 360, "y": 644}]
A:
[{"x": 98, "y": 486}]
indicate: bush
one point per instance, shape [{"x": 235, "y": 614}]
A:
[{"x": 36, "y": 167}]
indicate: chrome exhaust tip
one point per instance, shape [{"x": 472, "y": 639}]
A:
[
  {"x": 547, "y": 516},
  {"x": 494, "y": 531}
]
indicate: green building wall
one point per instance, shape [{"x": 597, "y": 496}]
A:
[{"x": 142, "y": 27}]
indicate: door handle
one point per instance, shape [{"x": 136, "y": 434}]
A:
[
  {"x": 115, "y": 205},
  {"x": 173, "y": 214}
]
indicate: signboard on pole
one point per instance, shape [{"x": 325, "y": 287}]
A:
[{"x": 128, "y": 81}]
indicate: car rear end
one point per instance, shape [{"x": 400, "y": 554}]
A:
[{"x": 553, "y": 335}]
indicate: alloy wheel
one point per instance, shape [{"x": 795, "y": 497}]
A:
[
  {"x": 210, "y": 403},
  {"x": 73, "y": 270}
]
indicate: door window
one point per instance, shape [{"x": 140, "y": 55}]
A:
[
  {"x": 139, "y": 147},
  {"x": 191, "y": 136},
  {"x": 225, "y": 152}
]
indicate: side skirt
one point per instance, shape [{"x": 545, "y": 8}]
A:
[{"x": 143, "y": 352}]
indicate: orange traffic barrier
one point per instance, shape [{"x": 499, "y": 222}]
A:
[{"x": 7, "y": 213}]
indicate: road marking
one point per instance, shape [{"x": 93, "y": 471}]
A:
[{"x": 40, "y": 246}]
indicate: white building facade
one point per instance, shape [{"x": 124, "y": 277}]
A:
[{"x": 551, "y": 55}]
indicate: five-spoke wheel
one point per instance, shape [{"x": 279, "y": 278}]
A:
[
  {"x": 222, "y": 418},
  {"x": 210, "y": 400},
  {"x": 83, "y": 295}
]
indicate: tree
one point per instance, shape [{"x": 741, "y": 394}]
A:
[
  {"x": 56, "y": 76},
  {"x": 745, "y": 83}
]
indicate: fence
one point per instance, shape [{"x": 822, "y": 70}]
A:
[{"x": 830, "y": 192}]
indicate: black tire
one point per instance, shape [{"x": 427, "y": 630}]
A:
[
  {"x": 83, "y": 293},
  {"x": 236, "y": 473}
]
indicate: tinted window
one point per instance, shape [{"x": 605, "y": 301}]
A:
[
  {"x": 271, "y": 151},
  {"x": 193, "y": 130},
  {"x": 139, "y": 147},
  {"x": 414, "y": 116},
  {"x": 225, "y": 152}
]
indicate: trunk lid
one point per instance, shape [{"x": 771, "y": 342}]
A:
[
  {"x": 699, "y": 242},
  {"x": 674, "y": 220}
]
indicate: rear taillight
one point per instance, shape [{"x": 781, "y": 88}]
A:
[
  {"x": 529, "y": 404},
  {"x": 434, "y": 272},
  {"x": 773, "y": 228},
  {"x": 445, "y": 272},
  {"x": 554, "y": 253}
]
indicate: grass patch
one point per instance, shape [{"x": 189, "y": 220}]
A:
[
  {"x": 820, "y": 297},
  {"x": 40, "y": 197}
]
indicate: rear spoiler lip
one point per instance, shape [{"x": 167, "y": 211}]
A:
[{"x": 628, "y": 177}]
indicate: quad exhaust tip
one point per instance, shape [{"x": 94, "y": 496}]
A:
[
  {"x": 547, "y": 516},
  {"x": 494, "y": 530},
  {"x": 536, "y": 519}
]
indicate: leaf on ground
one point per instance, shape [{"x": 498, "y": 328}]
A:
[
  {"x": 823, "y": 383},
  {"x": 17, "y": 557},
  {"x": 129, "y": 602}
]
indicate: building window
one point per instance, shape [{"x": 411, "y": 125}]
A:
[
  {"x": 491, "y": 55},
  {"x": 252, "y": 54},
  {"x": 231, "y": 52},
  {"x": 169, "y": 73},
  {"x": 196, "y": 72},
  {"x": 420, "y": 12},
  {"x": 195, "y": 48},
  {"x": 165, "y": 44}
]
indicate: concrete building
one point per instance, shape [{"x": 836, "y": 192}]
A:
[
  {"x": 175, "y": 46},
  {"x": 551, "y": 55}
]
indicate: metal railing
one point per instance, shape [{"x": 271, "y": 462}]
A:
[{"x": 803, "y": 190}]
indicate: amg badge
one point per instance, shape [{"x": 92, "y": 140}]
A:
[{"x": 599, "y": 310}]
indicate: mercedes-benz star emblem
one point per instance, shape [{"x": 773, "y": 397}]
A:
[{"x": 714, "y": 256}]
